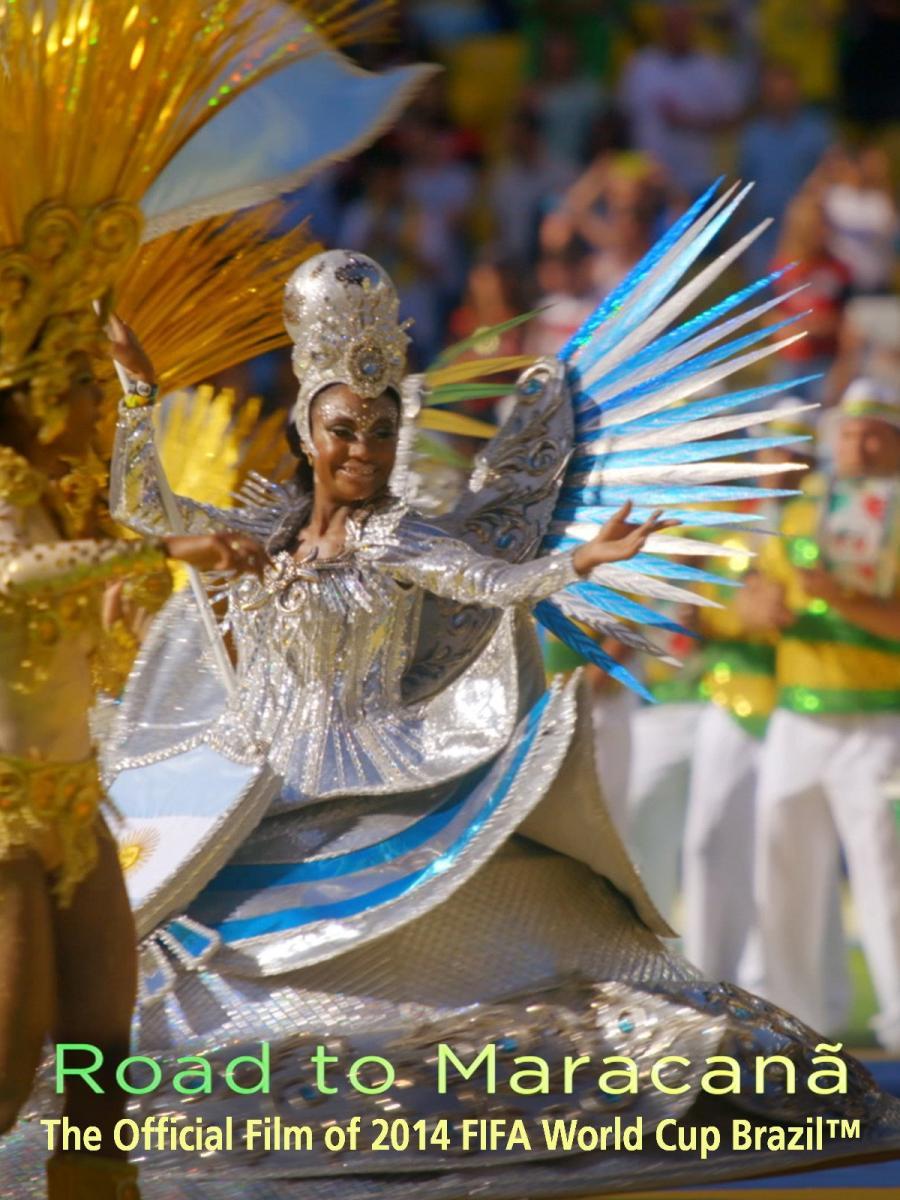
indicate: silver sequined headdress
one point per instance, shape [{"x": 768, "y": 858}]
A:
[{"x": 342, "y": 313}]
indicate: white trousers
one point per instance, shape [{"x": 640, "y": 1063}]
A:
[
  {"x": 662, "y": 739},
  {"x": 822, "y": 788},
  {"x": 612, "y": 713},
  {"x": 717, "y": 867},
  {"x": 718, "y": 864}
]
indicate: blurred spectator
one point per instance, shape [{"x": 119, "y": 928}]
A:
[
  {"x": 779, "y": 149},
  {"x": 615, "y": 207},
  {"x": 594, "y": 24},
  {"x": 804, "y": 241},
  {"x": 408, "y": 239},
  {"x": 566, "y": 300},
  {"x": 803, "y": 37},
  {"x": 440, "y": 183},
  {"x": 565, "y": 99},
  {"x": 862, "y": 217},
  {"x": 483, "y": 87},
  {"x": 610, "y": 137},
  {"x": 869, "y": 344},
  {"x": 492, "y": 297},
  {"x": 739, "y": 681},
  {"x": 527, "y": 182},
  {"x": 679, "y": 98},
  {"x": 662, "y": 742},
  {"x": 870, "y": 52},
  {"x": 436, "y": 177},
  {"x": 442, "y": 23}
]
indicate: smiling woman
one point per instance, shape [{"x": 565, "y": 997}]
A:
[
  {"x": 435, "y": 861},
  {"x": 346, "y": 460},
  {"x": 352, "y": 450}
]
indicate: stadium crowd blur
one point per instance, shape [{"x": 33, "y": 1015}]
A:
[
  {"x": 561, "y": 139},
  {"x": 564, "y": 135}
]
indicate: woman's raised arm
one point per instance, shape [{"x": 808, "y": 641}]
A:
[
  {"x": 134, "y": 485},
  {"x": 426, "y": 557}
]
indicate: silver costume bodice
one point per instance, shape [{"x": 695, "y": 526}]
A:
[
  {"x": 323, "y": 647},
  {"x": 331, "y": 621}
]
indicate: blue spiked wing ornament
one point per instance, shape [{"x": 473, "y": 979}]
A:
[{"x": 624, "y": 413}]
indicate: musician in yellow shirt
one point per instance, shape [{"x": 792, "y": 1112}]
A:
[{"x": 833, "y": 741}]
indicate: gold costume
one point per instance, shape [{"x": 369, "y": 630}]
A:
[
  {"x": 96, "y": 101},
  {"x": 51, "y": 808},
  {"x": 50, "y": 593}
]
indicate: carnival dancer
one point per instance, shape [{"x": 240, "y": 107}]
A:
[
  {"x": 67, "y": 943},
  {"x": 739, "y": 687},
  {"x": 835, "y": 737},
  {"x": 99, "y": 104},
  {"x": 438, "y": 862}
]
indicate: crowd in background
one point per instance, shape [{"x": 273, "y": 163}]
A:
[
  {"x": 564, "y": 135},
  {"x": 561, "y": 139}
]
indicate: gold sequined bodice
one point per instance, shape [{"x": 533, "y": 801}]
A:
[{"x": 50, "y": 592}]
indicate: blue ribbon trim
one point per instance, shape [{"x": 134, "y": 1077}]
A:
[
  {"x": 294, "y": 918},
  {"x": 253, "y": 876}
]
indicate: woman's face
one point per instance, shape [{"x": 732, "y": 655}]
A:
[{"x": 355, "y": 443}]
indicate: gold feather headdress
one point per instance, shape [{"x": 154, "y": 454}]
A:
[{"x": 96, "y": 98}]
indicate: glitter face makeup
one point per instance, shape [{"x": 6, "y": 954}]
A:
[{"x": 354, "y": 443}]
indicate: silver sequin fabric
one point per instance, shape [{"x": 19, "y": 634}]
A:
[
  {"x": 528, "y": 927},
  {"x": 536, "y": 954},
  {"x": 323, "y": 650}
]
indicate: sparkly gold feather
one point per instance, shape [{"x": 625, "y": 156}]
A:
[
  {"x": 97, "y": 96},
  {"x": 451, "y": 381},
  {"x": 478, "y": 368},
  {"x": 263, "y": 444},
  {"x": 207, "y": 297},
  {"x": 198, "y": 453},
  {"x": 210, "y": 441},
  {"x": 442, "y": 421}
]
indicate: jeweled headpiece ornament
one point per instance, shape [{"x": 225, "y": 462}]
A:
[{"x": 342, "y": 313}]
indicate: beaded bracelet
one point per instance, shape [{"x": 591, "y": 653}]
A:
[{"x": 140, "y": 394}]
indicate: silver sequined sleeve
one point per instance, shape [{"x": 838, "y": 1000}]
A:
[
  {"x": 451, "y": 568},
  {"x": 134, "y": 482}
]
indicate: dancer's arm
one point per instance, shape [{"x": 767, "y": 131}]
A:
[
  {"x": 878, "y": 615},
  {"x": 449, "y": 567},
  {"x": 134, "y": 486},
  {"x": 134, "y": 491},
  {"x": 52, "y": 568},
  {"x": 58, "y": 567}
]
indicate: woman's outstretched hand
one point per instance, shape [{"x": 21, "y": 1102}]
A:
[
  {"x": 618, "y": 540},
  {"x": 127, "y": 350},
  {"x": 232, "y": 552}
]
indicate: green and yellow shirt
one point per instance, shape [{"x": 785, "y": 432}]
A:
[{"x": 824, "y": 664}]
